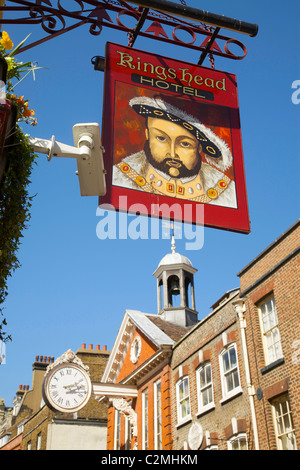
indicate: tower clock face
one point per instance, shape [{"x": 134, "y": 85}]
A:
[{"x": 67, "y": 388}]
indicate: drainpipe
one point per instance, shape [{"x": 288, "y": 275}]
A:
[{"x": 240, "y": 310}]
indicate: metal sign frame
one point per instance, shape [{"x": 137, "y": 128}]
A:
[{"x": 158, "y": 20}]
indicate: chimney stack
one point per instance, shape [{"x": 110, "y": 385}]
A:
[
  {"x": 39, "y": 369},
  {"x": 91, "y": 347}
]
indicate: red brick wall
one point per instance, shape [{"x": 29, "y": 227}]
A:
[
  {"x": 272, "y": 256},
  {"x": 208, "y": 338},
  {"x": 164, "y": 376},
  {"x": 284, "y": 377},
  {"x": 14, "y": 444},
  {"x": 148, "y": 348}
]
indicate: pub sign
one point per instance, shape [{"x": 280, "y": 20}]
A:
[{"x": 172, "y": 139}]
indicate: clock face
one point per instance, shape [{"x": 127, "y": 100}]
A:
[{"x": 67, "y": 388}]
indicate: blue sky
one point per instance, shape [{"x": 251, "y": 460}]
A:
[{"x": 73, "y": 288}]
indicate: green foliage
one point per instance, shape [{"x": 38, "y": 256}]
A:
[
  {"x": 15, "y": 204},
  {"x": 16, "y": 72},
  {"x": 15, "y": 201}
]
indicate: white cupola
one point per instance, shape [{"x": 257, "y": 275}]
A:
[{"x": 175, "y": 289}]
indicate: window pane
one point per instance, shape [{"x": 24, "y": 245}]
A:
[
  {"x": 202, "y": 377},
  {"x": 205, "y": 397},
  {"x": 226, "y": 362},
  {"x": 232, "y": 357},
  {"x": 145, "y": 419},
  {"x": 239, "y": 443},
  {"x": 235, "y": 445},
  {"x": 270, "y": 330},
  {"x": 158, "y": 423},
  {"x": 264, "y": 324},
  {"x": 230, "y": 370},
  {"x": 269, "y": 305},
  {"x": 236, "y": 379},
  {"x": 183, "y": 398},
  {"x": 181, "y": 392},
  {"x": 275, "y": 335},
  {"x": 284, "y": 424},
  {"x": 243, "y": 444},
  {"x": 229, "y": 382},
  {"x": 208, "y": 374},
  {"x": 186, "y": 387},
  {"x": 185, "y": 407},
  {"x": 205, "y": 385}
]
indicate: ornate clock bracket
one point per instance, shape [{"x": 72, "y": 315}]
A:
[
  {"x": 124, "y": 407},
  {"x": 67, "y": 358}
]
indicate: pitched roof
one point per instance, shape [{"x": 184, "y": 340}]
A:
[
  {"x": 161, "y": 333},
  {"x": 175, "y": 332}
]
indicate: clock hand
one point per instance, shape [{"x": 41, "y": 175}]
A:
[
  {"x": 73, "y": 388},
  {"x": 70, "y": 386},
  {"x": 75, "y": 384}
]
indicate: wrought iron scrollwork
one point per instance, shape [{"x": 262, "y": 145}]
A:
[
  {"x": 57, "y": 20},
  {"x": 48, "y": 21}
]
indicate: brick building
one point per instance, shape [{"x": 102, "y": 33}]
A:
[
  {"x": 250, "y": 343},
  {"x": 270, "y": 293},
  {"x": 31, "y": 425},
  {"x": 136, "y": 381},
  {"x": 210, "y": 404},
  {"x": 26, "y": 402},
  {"x": 229, "y": 381}
]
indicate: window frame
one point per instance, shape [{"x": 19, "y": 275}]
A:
[
  {"x": 201, "y": 389},
  {"x": 268, "y": 332},
  {"x": 39, "y": 441},
  {"x": 128, "y": 433},
  {"x": 117, "y": 430},
  {"x": 157, "y": 416},
  {"x": 237, "y": 438},
  {"x": 179, "y": 401},
  {"x": 282, "y": 416},
  {"x": 145, "y": 419},
  {"x": 228, "y": 394}
]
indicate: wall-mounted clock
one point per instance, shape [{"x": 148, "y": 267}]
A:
[{"x": 67, "y": 386}]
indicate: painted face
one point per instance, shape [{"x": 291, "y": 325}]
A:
[{"x": 173, "y": 149}]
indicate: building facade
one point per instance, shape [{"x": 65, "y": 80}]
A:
[
  {"x": 33, "y": 426},
  {"x": 26, "y": 402},
  {"x": 229, "y": 381},
  {"x": 136, "y": 384},
  {"x": 137, "y": 378},
  {"x": 270, "y": 293},
  {"x": 210, "y": 404}
]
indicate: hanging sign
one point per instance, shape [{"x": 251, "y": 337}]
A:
[{"x": 172, "y": 139}]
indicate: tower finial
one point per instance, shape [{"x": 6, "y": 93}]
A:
[{"x": 173, "y": 247}]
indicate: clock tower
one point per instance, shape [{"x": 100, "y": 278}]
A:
[{"x": 175, "y": 289}]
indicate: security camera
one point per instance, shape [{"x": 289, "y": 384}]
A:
[{"x": 88, "y": 152}]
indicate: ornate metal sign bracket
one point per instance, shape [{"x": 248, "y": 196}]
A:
[{"x": 161, "y": 20}]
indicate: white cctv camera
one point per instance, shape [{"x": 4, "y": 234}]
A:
[{"x": 88, "y": 152}]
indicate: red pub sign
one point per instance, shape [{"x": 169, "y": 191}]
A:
[{"x": 172, "y": 139}]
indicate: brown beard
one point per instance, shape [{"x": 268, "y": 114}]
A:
[{"x": 167, "y": 163}]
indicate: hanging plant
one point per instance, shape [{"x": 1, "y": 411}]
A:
[
  {"x": 16, "y": 73},
  {"x": 15, "y": 201}
]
